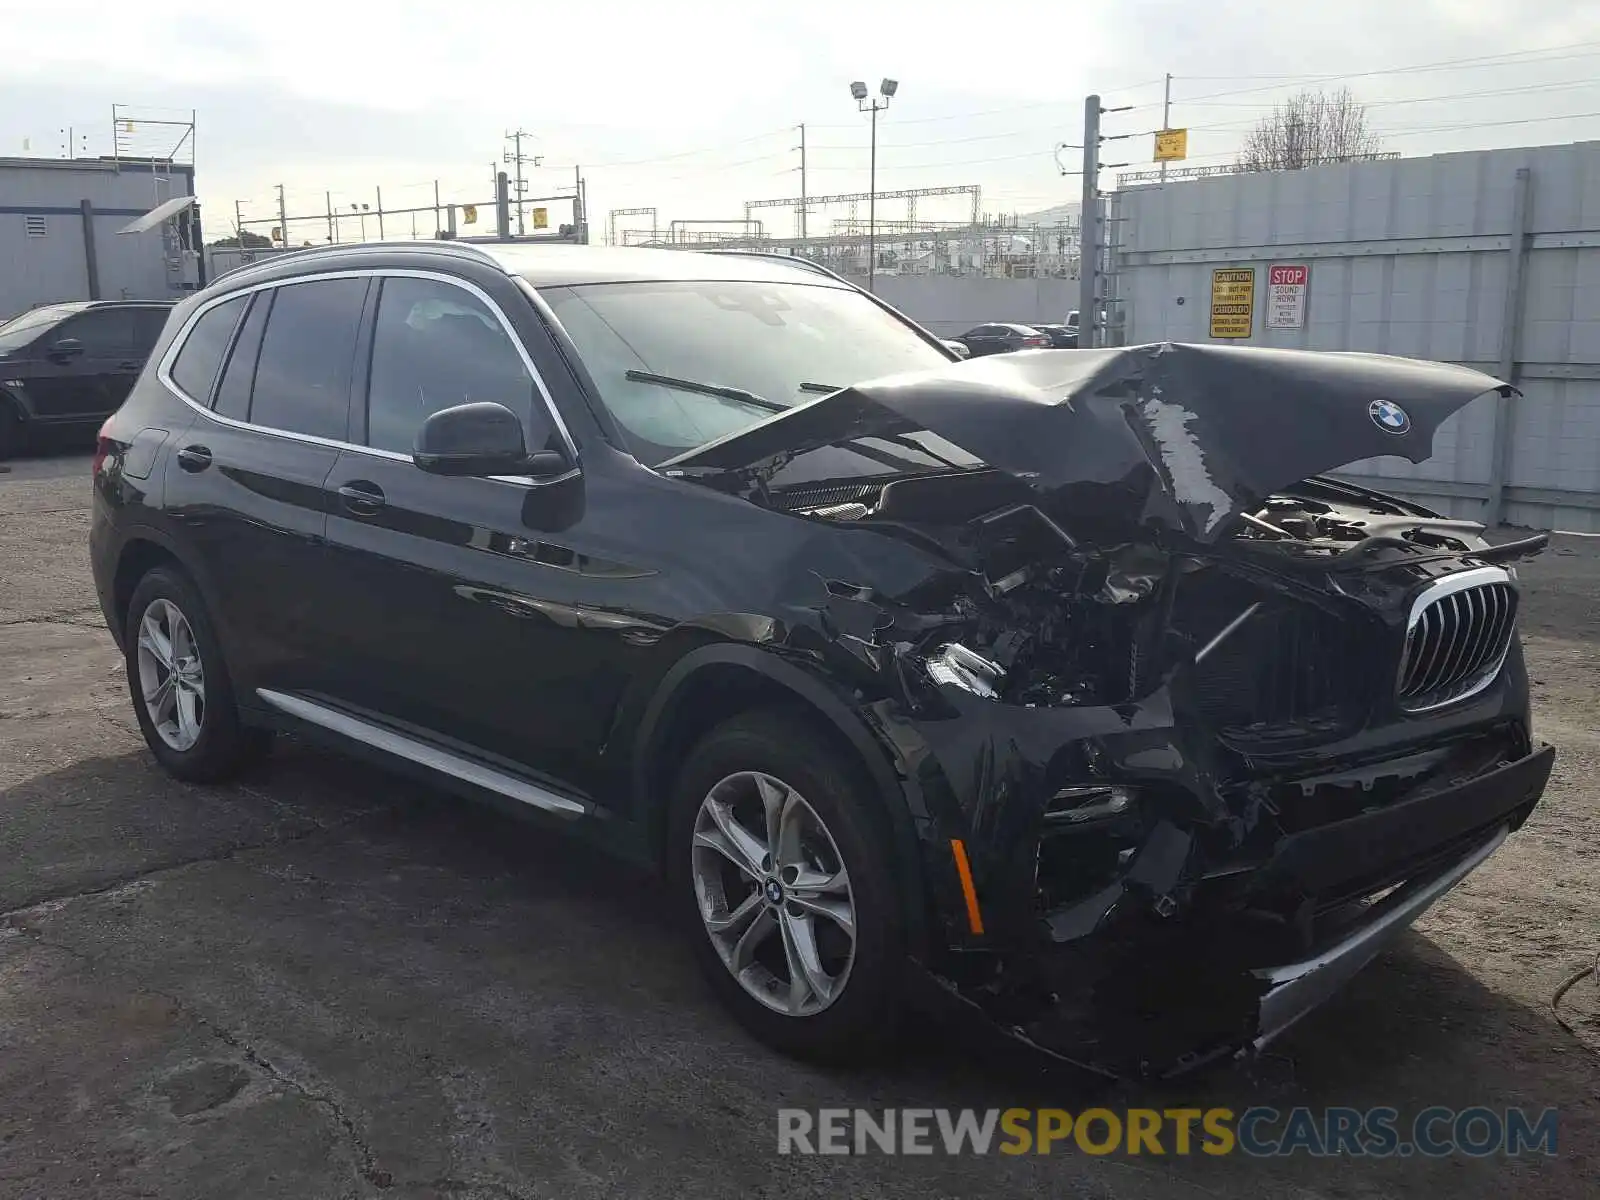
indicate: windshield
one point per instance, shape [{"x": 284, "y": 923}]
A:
[
  {"x": 781, "y": 344},
  {"x": 20, "y": 330}
]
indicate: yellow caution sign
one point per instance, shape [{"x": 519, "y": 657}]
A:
[
  {"x": 469, "y": 214},
  {"x": 1233, "y": 301},
  {"x": 1172, "y": 145},
  {"x": 541, "y": 218}
]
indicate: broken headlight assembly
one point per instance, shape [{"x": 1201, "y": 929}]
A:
[{"x": 955, "y": 665}]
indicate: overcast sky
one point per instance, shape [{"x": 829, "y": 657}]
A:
[{"x": 692, "y": 107}]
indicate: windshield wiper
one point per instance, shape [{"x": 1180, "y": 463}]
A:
[
  {"x": 818, "y": 387},
  {"x": 707, "y": 389}
]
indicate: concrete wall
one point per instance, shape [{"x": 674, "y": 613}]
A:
[
  {"x": 1489, "y": 259},
  {"x": 952, "y": 304},
  {"x": 38, "y": 270}
]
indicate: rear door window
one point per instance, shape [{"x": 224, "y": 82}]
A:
[
  {"x": 201, "y": 354},
  {"x": 308, "y": 350},
  {"x": 105, "y": 333},
  {"x": 233, "y": 393},
  {"x": 147, "y": 326}
]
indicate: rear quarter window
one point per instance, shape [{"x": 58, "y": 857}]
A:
[{"x": 195, "y": 368}]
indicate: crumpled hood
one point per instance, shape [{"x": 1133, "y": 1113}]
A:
[{"x": 1184, "y": 436}]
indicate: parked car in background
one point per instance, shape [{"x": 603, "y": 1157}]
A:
[
  {"x": 1065, "y": 685},
  {"x": 1062, "y": 337},
  {"x": 72, "y": 364},
  {"x": 1002, "y": 338}
]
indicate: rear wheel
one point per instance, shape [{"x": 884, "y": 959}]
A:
[
  {"x": 181, "y": 690},
  {"x": 10, "y": 429},
  {"x": 784, "y": 882}
]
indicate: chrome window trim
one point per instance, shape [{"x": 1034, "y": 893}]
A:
[
  {"x": 1448, "y": 586},
  {"x": 164, "y": 369}
]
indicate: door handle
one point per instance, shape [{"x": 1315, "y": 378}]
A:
[
  {"x": 129, "y": 366},
  {"x": 194, "y": 458},
  {"x": 361, "y": 498}
]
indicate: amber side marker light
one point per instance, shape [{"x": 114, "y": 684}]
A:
[{"x": 964, "y": 870}]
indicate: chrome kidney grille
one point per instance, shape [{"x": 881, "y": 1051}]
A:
[{"x": 1457, "y": 637}]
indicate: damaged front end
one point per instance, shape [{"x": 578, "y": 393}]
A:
[{"x": 1188, "y": 729}]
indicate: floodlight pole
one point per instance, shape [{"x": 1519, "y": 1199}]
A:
[{"x": 874, "y": 105}]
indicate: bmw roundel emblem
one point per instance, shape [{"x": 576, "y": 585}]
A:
[{"x": 1389, "y": 416}]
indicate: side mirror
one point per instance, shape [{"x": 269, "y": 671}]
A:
[
  {"x": 67, "y": 347},
  {"x": 480, "y": 439}
]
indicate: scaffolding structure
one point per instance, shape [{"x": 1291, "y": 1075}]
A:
[
  {"x": 160, "y": 140},
  {"x": 615, "y": 213},
  {"x": 1000, "y": 246}
]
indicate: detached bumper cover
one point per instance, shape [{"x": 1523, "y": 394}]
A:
[
  {"x": 1295, "y": 989},
  {"x": 1153, "y": 996}
]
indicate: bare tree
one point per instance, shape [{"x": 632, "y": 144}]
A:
[{"x": 1307, "y": 129}]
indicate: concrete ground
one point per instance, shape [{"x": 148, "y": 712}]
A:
[{"x": 325, "y": 982}]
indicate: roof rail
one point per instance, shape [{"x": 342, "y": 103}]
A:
[
  {"x": 792, "y": 259},
  {"x": 449, "y": 246}
]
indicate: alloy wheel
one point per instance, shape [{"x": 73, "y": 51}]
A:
[
  {"x": 774, "y": 894},
  {"x": 172, "y": 681}
]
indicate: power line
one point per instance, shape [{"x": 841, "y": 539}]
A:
[
  {"x": 1033, "y": 131},
  {"x": 677, "y": 154},
  {"x": 1420, "y": 129},
  {"x": 1464, "y": 64},
  {"x": 1043, "y": 154},
  {"x": 1401, "y": 131},
  {"x": 1473, "y": 95}
]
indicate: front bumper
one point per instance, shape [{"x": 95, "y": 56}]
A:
[
  {"x": 1295, "y": 989},
  {"x": 1153, "y": 988}
]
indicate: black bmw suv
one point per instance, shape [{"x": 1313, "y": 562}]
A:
[
  {"x": 72, "y": 364},
  {"x": 1061, "y": 687}
]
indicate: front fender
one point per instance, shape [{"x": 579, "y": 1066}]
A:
[{"x": 892, "y": 785}]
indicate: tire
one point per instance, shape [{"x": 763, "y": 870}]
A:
[
  {"x": 10, "y": 429},
  {"x": 854, "y": 1016},
  {"x": 199, "y": 742}
]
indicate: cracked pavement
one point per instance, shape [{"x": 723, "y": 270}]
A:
[{"x": 328, "y": 982}]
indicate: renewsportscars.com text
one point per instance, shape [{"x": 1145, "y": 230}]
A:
[{"x": 1258, "y": 1132}]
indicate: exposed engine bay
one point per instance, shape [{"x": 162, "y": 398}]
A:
[{"x": 1038, "y": 617}]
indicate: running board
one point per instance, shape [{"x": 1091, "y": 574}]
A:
[{"x": 423, "y": 754}]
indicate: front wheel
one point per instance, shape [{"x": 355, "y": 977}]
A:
[{"x": 784, "y": 880}]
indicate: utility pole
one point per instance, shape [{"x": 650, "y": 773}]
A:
[
  {"x": 333, "y": 227},
  {"x": 380, "y": 212},
  {"x": 803, "y": 204},
  {"x": 436, "y": 225},
  {"x": 580, "y": 218},
  {"x": 283, "y": 220},
  {"x": 518, "y": 158},
  {"x": 238, "y": 223},
  {"x": 1166, "y": 117},
  {"x": 502, "y": 204},
  {"x": 1089, "y": 227}
]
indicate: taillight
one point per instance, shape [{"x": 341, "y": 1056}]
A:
[{"x": 102, "y": 447}]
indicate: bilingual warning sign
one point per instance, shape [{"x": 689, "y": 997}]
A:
[
  {"x": 1233, "y": 301},
  {"x": 1287, "y": 285}
]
